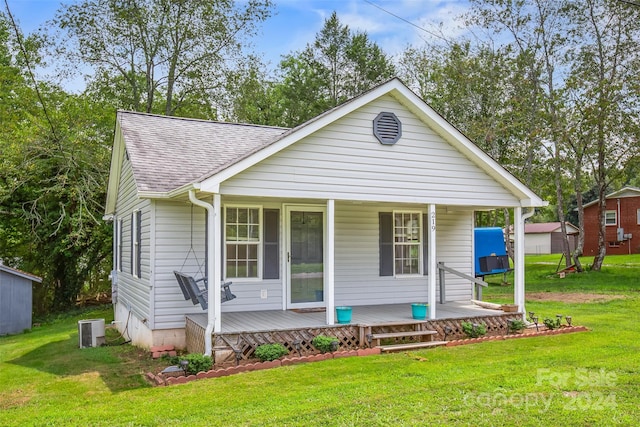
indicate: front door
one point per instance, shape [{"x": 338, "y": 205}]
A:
[{"x": 305, "y": 256}]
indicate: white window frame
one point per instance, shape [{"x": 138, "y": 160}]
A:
[
  {"x": 638, "y": 216},
  {"x": 419, "y": 243},
  {"x": 606, "y": 218},
  {"x": 257, "y": 243}
]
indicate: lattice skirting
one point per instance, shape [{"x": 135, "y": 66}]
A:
[{"x": 229, "y": 347}]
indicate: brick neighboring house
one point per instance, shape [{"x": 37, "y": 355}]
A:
[{"x": 622, "y": 223}]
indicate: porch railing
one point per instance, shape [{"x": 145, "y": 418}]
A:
[{"x": 478, "y": 282}]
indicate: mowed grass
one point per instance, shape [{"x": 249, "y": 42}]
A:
[
  {"x": 589, "y": 378},
  {"x": 619, "y": 274}
]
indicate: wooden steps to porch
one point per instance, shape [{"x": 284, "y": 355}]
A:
[
  {"x": 405, "y": 335},
  {"x": 375, "y": 338}
]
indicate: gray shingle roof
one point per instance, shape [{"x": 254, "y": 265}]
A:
[{"x": 169, "y": 152}]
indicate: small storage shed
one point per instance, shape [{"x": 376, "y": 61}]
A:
[
  {"x": 546, "y": 238},
  {"x": 15, "y": 299}
]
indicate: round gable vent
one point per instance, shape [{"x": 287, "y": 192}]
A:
[{"x": 387, "y": 128}]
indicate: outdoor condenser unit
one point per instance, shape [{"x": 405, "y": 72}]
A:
[{"x": 91, "y": 333}]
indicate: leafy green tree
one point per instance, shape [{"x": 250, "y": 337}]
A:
[
  {"x": 337, "y": 66},
  {"x": 160, "y": 55},
  {"x": 603, "y": 80},
  {"x": 55, "y": 156}
]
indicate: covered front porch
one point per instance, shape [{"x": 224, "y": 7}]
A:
[{"x": 242, "y": 332}]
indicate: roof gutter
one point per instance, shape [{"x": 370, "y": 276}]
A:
[{"x": 213, "y": 255}]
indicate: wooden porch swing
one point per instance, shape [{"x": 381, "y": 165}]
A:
[{"x": 189, "y": 285}]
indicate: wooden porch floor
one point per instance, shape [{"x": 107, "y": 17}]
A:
[{"x": 257, "y": 321}]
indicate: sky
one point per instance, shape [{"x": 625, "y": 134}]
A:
[{"x": 296, "y": 22}]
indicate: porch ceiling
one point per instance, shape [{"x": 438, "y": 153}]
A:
[{"x": 255, "y": 321}]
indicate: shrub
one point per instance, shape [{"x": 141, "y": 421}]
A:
[
  {"x": 197, "y": 362},
  {"x": 516, "y": 325},
  {"x": 269, "y": 352},
  {"x": 553, "y": 323},
  {"x": 474, "y": 330},
  {"x": 325, "y": 343}
]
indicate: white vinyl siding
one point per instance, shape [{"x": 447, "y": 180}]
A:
[
  {"x": 180, "y": 246},
  {"x": 344, "y": 161},
  {"x": 175, "y": 236},
  {"x": 357, "y": 279},
  {"x": 134, "y": 292}
]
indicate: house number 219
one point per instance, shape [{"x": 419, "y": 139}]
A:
[{"x": 433, "y": 221}]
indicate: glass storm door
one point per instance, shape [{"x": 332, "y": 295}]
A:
[{"x": 306, "y": 256}]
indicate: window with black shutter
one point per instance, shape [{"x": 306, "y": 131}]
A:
[{"x": 401, "y": 236}]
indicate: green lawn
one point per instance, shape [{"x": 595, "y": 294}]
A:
[{"x": 590, "y": 378}]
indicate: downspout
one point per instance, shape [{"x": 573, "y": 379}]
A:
[
  {"x": 519, "y": 219},
  {"x": 210, "y": 273}
]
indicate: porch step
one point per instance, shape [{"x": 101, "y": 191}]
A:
[
  {"x": 402, "y": 334},
  {"x": 375, "y": 338},
  {"x": 411, "y": 346}
]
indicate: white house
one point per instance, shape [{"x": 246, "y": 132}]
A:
[{"x": 354, "y": 207}]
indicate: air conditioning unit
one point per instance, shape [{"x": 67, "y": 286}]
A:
[{"x": 91, "y": 333}]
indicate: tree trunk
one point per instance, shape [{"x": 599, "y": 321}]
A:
[
  {"x": 602, "y": 229},
  {"x": 577, "y": 253},
  {"x": 566, "y": 251}
]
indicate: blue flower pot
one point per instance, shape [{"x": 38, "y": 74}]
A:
[
  {"x": 419, "y": 311},
  {"x": 343, "y": 314}
]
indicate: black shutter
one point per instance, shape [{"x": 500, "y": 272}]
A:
[
  {"x": 271, "y": 244},
  {"x": 139, "y": 242},
  {"x": 120, "y": 225},
  {"x": 386, "y": 243},
  {"x": 425, "y": 244},
  {"x": 131, "y": 265}
]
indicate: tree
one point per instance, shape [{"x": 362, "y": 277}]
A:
[
  {"x": 160, "y": 55},
  {"x": 54, "y": 163},
  {"x": 487, "y": 92},
  {"x": 604, "y": 82},
  {"x": 536, "y": 33},
  {"x": 337, "y": 66}
]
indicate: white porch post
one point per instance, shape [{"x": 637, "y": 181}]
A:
[
  {"x": 215, "y": 245},
  {"x": 329, "y": 263},
  {"x": 214, "y": 270},
  {"x": 518, "y": 292},
  {"x": 433, "y": 266}
]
